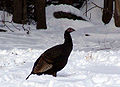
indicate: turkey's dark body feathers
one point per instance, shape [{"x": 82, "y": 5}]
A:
[
  {"x": 59, "y": 55},
  {"x": 55, "y": 58}
]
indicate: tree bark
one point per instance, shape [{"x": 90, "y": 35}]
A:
[
  {"x": 69, "y": 2},
  {"x": 107, "y": 11},
  {"x": 117, "y": 13},
  {"x": 40, "y": 14},
  {"x": 24, "y": 10},
  {"x": 20, "y": 11}
]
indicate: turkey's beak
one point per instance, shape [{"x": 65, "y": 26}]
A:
[{"x": 72, "y": 30}]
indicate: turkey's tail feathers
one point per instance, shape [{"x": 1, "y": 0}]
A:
[{"x": 28, "y": 76}]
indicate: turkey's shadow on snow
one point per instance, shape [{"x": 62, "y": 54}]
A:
[
  {"x": 103, "y": 69},
  {"x": 65, "y": 75}
]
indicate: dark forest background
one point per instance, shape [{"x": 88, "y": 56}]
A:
[{"x": 26, "y": 11}]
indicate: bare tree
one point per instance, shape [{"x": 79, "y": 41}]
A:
[
  {"x": 117, "y": 13},
  {"x": 40, "y": 14}
]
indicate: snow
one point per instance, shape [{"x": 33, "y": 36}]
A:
[{"x": 94, "y": 61}]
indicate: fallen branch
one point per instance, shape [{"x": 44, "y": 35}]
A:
[
  {"x": 15, "y": 26},
  {"x": 103, "y": 49},
  {"x": 25, "y": 29},
  {"x": 9, "y": 22},
  {"x": 61, "y": 14},
  {"x": 8, "y": 27}
]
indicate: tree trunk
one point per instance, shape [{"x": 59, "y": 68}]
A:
[
  {"x": 40, "y": 14},
  {"x": 107, "y": 11},
  {"x": 69, "y": 2},
  {"x": 20, "y": 11},
  {"x": 24, "y": 10},
  {"x": 117, "y": 13}
]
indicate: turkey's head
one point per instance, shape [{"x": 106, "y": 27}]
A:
[{"x": 69, "y": 30}]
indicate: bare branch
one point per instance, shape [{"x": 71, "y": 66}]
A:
[
  {"x": 89, "y": 10},
  {"x": 25, "y": 29},
  {"x": 8, "y": 27},
  {"x": 15, "y": 26},
  {"x": 102, "y": 8},
  {"x": 97, "y": 5},
  {"x": 9, "y": 22}
]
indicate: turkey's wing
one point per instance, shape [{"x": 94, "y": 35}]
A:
[{"x": 42, "y": 66}]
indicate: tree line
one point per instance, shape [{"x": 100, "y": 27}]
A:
[
  {"x": 108, "y": 12},
  {"x": 26, "y": 11}
]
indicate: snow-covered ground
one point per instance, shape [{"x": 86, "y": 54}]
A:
[{"x": 94, "y": 61}]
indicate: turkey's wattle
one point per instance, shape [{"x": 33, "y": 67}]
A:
[{"x": 55, "y": 58}]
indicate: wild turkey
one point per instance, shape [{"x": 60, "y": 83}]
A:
[{"x": 55, "y": 58}]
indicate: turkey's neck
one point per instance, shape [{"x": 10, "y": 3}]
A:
[{"x": 68, "y": 39}]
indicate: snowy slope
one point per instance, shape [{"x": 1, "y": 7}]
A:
[{"x": 94, "y": 61}]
